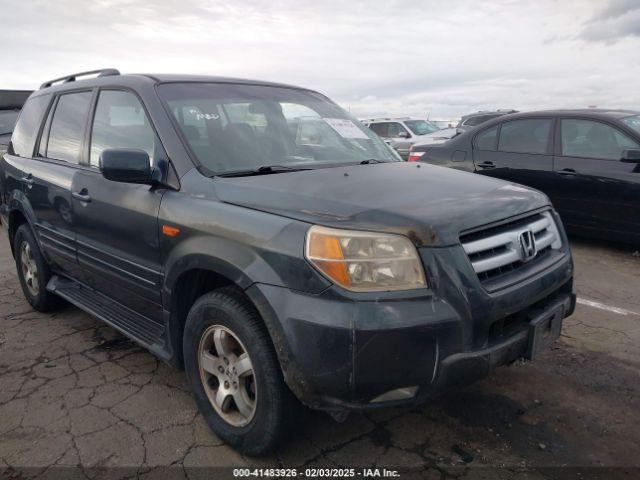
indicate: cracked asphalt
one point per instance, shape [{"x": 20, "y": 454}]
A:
[{"x": 74, "y": 393}]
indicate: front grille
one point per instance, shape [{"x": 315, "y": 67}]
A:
[{"x": 498, "y": 251}]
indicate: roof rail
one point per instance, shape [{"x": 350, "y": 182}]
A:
[{"x": 104, "y": 72}]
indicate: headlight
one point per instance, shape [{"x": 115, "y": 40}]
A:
[{"x": 363, "y": 261}]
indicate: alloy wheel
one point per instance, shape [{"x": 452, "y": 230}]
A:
[
  {"x": 29, "y": 269},
  {"x": 227, "y": 375}
]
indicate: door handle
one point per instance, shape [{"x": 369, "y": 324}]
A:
[
  {"x": 567, "y": 171},
  {"x": 82, "y": 195},
  {"x": 487, "y": 165},
  {"x": 28, "y": 180}
]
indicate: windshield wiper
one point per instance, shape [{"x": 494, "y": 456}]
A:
[{"x": 264, "y": 169}]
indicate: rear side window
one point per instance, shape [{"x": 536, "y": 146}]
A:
[
  {"x": 120, "y": 121},
  {"x": 525, "y": 136},
  {"x": 487, "y": 140},
  {"x": 67, "y": 127},
  {"x": 588, "y": 139},
  {"x": 26, "y": 130}
]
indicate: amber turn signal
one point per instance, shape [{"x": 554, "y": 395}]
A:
[{"x": 171, "y": 232}]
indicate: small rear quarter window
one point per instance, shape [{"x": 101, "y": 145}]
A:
[{"x": 24, "y": 135}]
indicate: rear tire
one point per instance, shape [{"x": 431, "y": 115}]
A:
[
  {"x": 229, "y": 356},
  {"x": 33, "y": 271}
]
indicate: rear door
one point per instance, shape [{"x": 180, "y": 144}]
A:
[
  {"x": 48, "y": 183},
  {"x": 117, "y": 223},
  {"x": 519, "y": 151},
  {"x": 596, "y": 191}
]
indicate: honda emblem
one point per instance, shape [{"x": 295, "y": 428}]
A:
[{"x": 528, "y": 245}]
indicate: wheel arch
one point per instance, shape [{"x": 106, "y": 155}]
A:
[
  {"x": 19, "y": 215},
  {"x": 190, "y": 278}
]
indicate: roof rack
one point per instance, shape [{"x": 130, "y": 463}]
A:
[{"x": 105, "y": 72}]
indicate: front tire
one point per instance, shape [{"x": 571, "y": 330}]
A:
[
  {"x": 33, "y": 271},
  {"x": 234, "y": 372}
]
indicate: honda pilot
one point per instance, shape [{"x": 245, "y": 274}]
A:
[{"x": 261, "y": 238}]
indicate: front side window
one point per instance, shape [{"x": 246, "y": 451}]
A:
[
  {"x": 120, "y": 122},
  {"x": 25, "y": 132},
  {"x": 421, "y": 127},
  {"x": 234, "y": 127},
  {"x": 525, "y": 136},
  {"x": 589, "y": 139},
  {"x": 395, "y": 129},
  {"x": 67, "y": 127},
  {"x": 487, "y": 140},
  {"x": 381, "y": 129}
]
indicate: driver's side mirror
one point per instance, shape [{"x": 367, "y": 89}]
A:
[
  {"x": 632, "y": 155},
  {"x": 403, "y": 135},
  {"x": 126, "y": 165}
]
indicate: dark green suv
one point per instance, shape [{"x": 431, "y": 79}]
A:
[{"x": 261, "y": 238}]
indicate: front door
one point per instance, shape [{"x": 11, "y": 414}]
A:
[
  {"x": 597, "y": 193},
  {"x": 117, "y": 223},
  {"x": 518, "y": 151}
]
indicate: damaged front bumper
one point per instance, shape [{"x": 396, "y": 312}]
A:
[{"x": 344, "y": 351}]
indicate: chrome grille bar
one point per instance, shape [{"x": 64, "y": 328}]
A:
[{"x": 502, "y": 247}]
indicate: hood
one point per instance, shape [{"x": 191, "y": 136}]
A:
[{"x": 426, "y": 203}]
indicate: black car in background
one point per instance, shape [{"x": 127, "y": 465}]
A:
[
  {"x": 11, "y": 102},
  {"x": 586, "y": 161}
]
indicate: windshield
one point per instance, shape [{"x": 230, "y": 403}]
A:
[
  {"x": 8, "y": 121},
  {"x": 235, "y": 127},
  {"x": 421, "y": 127},
  {"x": 633, "y": 122}
]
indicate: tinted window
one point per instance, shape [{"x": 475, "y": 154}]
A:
[
  {"x": 381, "y": 129},
  {"x": 525, "y": 136},
  {"x": 24, "y": 135},
  {"x": 487, "y": 140},
  {"x": 584, "y": 138},
  {"x": 67, "y": 127},
  {"x": 121, "y": 122}
]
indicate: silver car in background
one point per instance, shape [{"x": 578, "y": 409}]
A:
[{"x": 401, "y": 133}]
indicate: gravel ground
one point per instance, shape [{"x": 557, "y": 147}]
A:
[{"x": 74, "y": 393}]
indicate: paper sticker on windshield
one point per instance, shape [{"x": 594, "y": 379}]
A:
[{"x": 345, "y": 127}]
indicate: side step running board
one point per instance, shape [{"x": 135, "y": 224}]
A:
[{"x": 132, "y": 324}]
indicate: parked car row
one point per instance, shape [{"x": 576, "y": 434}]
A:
[
  {"x": 257, "y": 236},
  {"x": 405, "y": 132},
  {"x": 586, "y": 161}
]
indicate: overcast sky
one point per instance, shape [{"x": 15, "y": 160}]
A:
[{"x": 443, "y": 58}]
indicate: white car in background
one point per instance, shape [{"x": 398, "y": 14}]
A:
[{"x": 401, "y": 133}]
